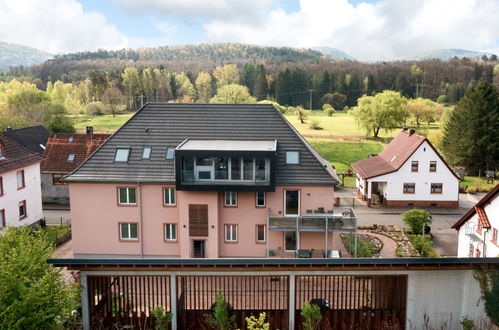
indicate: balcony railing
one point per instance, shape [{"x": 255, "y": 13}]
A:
[
  {"x": 193, "y": 177},
  {"x": 470, "y": 229},
  {"x": 338, "y": 219}
]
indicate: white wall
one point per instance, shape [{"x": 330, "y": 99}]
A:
[
  {"x": 486, "y": 245},
  {"x": 423, "y": 179},
  {"x": 31, "y": 193}
]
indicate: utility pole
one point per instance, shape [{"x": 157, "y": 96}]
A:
[
  {"x": 417, "y": 89},
  {"x": 310, "y": 90}
]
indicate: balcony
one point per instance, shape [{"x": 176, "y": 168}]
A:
[
  {"x": 470, "y": 230},
  {"x": 339, "y": 219},
  {"x": 223, "y": 165}
]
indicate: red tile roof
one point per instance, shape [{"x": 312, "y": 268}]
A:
[
  {"x": 392, "y": 157},
  {"x": 15, "y": 156},
  {"x": 59, "y": 148},
  {"x": 479, "y": 208}
]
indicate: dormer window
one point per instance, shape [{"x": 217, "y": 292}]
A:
[
  {"x": 70, "y": 139},
  {"x": 170, "y": 153},
  {"x": 292, "y": 157},
  {"x": 71, "y": 157},
  {"x": 122, "y": 154}
]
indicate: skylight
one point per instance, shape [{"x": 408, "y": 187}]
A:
[
  {"x": 70, "y": 139},
  {"x": 170, "y": 153},
  {"x": 121, "y": 154},
  {"x": 71, "y": 157},
  {"x": 146, "y": 153}
]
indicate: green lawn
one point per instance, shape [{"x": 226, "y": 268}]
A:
[
  {"x": 473, "y": 181},
  {"x": 56, "y": 232},
  {"x": 102, "y": 124}
]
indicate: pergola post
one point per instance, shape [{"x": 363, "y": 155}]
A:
[{"x": 325, "y": 251}]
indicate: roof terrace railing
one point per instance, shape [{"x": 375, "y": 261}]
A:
[{"x": 338, "y": 219}]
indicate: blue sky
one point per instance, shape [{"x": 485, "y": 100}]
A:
[{"x": 366, "y": 29}]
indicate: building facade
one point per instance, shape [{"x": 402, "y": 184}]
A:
[
  {"x": 20, "y": 193},
  {"x": 478, "y": 228},
  {"x": 408, "y": 172},
  {"x": 201, "y": 180}
]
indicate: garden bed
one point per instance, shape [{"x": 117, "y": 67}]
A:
[
  {"x": 405, "y": 248},
  {"x": 367, "y": 246}
]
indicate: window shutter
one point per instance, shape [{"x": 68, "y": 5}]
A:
[{"x": 198, "y": 220}]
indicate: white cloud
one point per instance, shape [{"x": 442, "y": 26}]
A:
[
  {"x": 56, "y": 26},
  {"x": 226, "y": 10},
  {"x": 384, "y": 30}
]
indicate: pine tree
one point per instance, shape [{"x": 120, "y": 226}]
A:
[{"x": 471, "y": 135}]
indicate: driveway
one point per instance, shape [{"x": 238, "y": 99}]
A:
[{"x": 444, "y": 238}]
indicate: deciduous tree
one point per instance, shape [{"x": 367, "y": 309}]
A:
[{"x": 233, "y": 94}]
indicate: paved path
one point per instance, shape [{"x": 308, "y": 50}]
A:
[
  {"x": 64, "y": 251},
  {"x": 389, "y": 245}
]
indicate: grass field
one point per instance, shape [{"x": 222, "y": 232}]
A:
[
  {"x": 473, "y": 181},
  {"x": 102, "y": 124}
]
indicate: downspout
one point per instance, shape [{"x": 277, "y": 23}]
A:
[
  {"x": 140, "y": 220},
  {"x": 485, "y": 243}
]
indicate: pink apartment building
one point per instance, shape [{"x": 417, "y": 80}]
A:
[{"x": 203, "y": 180}]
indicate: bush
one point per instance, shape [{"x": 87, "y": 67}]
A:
[
  {"x": 315, "y": 124},
  {"x": 312, "y": 315},
  {"x": 302, "y": 115},
  {"x": 326, "y": 106},
  {"x": 472, "y": 190},
  {"x": 416, "y": 219},
  {"x": 253, "y": 323},
  {"x": 424, "y": 247},
  {"x": 33, "y": 294},
  {"x": 489, "y": 287},
  {"x": 467, "y": 324},
  {"x": 330, "y": 112},
  {"x": 94, "y": 109},
  {"x": 220, "y": 319},
  {"x": 162, "y": 319}
]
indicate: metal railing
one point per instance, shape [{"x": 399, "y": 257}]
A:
[{"x": 337, "y": 219}]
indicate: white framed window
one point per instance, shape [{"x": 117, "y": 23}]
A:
[
  {"x": 20, "y": 179},
  {"x": 231, "y": 233},
  {"x": 170, "y": 231},
  {"x": 22, "y": 209},
  {"x": 169, "y": 196},
  {"x": 260, "y": 198},
  {"x": 230, "y": 198},
  {"x": 146, "y": 153},
  {"x": 127, "y": 196},
  {"x": 292, "y": 157},
  {"x": 170, "y": 153},
  {"x": 129, "y": 231},
  {"x": 122, "y": 154},
  {"x": 260, "y": 234},
  {"x": 71, "y": 157}
]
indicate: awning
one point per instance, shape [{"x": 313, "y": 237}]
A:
[{"x": 228, "y": 145}]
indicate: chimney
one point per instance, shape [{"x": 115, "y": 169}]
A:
[
  {"x": 411, "y": 132},
  {"x": 404, "y": 129},
  {"x": 9, "y": 128},
  {"x": 90, "y": 130}
]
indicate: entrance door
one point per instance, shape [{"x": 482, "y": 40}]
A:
[
  {"x": 198, "y": 248},
  {"x": 290, "y": 241}
]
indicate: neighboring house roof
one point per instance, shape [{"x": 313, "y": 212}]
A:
[
  {"x": 14, "y": 156},
  {"x": 396, "y": 153},
  {"x": 479, "y": 209},
  {"x": 162, "y": 125},
  {"x": 61, "y": 146},
  {"x": 32, "y": 138}
]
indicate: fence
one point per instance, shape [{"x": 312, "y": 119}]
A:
[
  {"x": 57, "y": 221},
  {"x": 347, "y": 301}
]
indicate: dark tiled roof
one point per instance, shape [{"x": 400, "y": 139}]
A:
[
  {"x": 30, "y": 137},
  {"x": 15, "y": 156},
  {"x": 480, "y": 209},
  {"x": 59, "y": 148},
  {"x": 162, "y": 125}
]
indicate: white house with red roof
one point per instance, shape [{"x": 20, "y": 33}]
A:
[
  {"x": 408, "y": 172},
  {"x": 20, "y": 192},
  {"x": 478, "y": 228}
]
